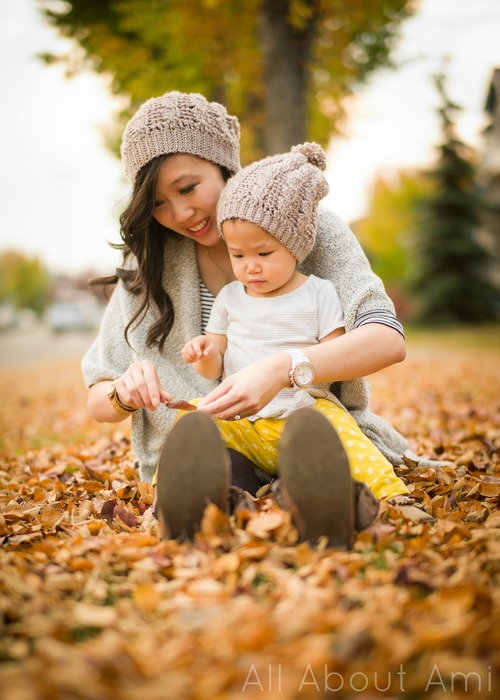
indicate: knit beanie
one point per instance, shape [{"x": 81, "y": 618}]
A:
[
  {"x": 179, "y": 122},
  {"x": 280, "y": 194}
]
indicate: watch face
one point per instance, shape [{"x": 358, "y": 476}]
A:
[{"x": 303, "y": 374}]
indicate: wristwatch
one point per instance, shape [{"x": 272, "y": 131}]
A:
[
  {"x": 301, "y": 371},
  {"x": 118, "y": 406}
]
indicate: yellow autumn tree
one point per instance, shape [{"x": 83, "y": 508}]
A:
[
  {"x": 386, "y": 233},
  {"x": 283, "y": 66}
]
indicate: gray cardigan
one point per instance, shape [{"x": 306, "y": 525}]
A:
[{"x": 337, "y": 256}]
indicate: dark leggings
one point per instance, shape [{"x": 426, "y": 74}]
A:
[{"x": 243, "y": 473}]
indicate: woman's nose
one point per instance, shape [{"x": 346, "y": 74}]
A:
[{"x": 183, "y": 212}]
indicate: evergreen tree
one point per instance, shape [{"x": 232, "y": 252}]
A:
[{"x": 451, "y": 267}]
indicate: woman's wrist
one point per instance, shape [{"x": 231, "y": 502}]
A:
[
  {"x": 117, "y": 404},
  {"x": 99, "y": 405},
  {"x": 281, "y": 363}
]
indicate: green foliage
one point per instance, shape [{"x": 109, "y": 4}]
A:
[
  {"x": 219, "y": 48},
  {"x": 24, "y": 282},
  {"x": 385, "y": 234},
  {"x": 451, "y": 272}
]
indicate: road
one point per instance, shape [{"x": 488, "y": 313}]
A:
[{"x": 22, "y": 348}]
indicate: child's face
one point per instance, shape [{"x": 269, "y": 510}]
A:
[
  {"x": 186, "y": 197},
  {"x": 259, "y": 261}
]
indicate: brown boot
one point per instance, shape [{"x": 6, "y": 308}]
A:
[
  {"x": 366, "y": 505},
  {"x": 314, "y": 468},
  {"x": 239, "y": 499},
  {"x": 193, "y": 469}
]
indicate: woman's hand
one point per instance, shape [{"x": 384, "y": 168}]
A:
[
  {"x": 138, "y": 387},
  {"x": 249, "y": 390}
]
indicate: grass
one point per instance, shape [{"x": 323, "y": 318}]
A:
[{"x": 477, "y": 337}]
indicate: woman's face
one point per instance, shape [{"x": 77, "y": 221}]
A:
[{"x": 186, "y": 197}]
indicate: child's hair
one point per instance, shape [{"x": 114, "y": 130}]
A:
[{"x": 280, "y": 194}]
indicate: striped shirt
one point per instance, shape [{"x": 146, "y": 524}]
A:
[
  {"x": 207, "y": 301},
  {"x": 386, "y": 318}
]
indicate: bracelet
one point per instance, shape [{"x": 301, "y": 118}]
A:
[{"x": 117, "y": 405}]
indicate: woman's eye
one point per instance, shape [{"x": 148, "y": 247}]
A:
[
  {"x": 187, "y": 190},
  {"x": 158, "y": 203},
  {"x": 264, "y": 255}
]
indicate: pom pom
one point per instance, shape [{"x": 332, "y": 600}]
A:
[{"x": 313, "y": 152}]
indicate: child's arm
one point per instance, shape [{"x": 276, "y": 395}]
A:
[{"x": 206, "y": 352}]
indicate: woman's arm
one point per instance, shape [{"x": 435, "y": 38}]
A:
[
  {"x": 338, "y": 257},
  {"x": 99, "y": 405},
  {"x": 360, "y": 352},
  {"x": 138, "y": 387},
  {"x": 355, "y": 354},
  {"x": 110, "y": 360}
]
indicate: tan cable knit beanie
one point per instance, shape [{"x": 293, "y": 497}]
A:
[
  {"x": 179, "y": 122},
  {"x": 280, "y": 194}
]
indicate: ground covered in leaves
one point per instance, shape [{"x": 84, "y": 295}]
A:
[{"x": 93, "y": 606}]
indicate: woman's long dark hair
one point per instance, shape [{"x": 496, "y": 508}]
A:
[{"x": 144, "y": 238}]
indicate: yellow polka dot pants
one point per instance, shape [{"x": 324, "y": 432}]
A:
[{"x": 258, "y": 440}]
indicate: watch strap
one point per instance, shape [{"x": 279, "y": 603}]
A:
[{"x": 297, "y": 357}]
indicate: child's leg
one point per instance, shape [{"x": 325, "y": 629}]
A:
[
  {"x": 193, "y": 469},
  {"x": 368, "y": 464},
  {"x": 242, "y": 466},
  {"x": 316, "y": 483},
  {"x": 259, "y": 440},
  {"x": 256, "y": 440}
]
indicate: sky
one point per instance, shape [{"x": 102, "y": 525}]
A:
[{"x": 61, "y": 190}]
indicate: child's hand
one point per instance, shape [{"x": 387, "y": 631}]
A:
[{"x": 199, "y": 348}]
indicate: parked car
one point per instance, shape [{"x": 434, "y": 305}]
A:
[
  {"x": 8, "y": 317},
  {"x": 81, "y": 313}
]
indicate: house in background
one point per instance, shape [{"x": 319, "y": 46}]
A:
[{"x": 489, "y": 173}]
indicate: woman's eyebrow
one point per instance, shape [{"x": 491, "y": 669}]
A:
[{"x": 184, "y": 176}]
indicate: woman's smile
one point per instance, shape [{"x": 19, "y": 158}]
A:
[{"x": 201, "y": 228}]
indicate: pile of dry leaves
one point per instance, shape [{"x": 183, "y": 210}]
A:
[{"x": 94, "y": 606}]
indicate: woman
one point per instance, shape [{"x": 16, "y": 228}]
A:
[{"x": 178, "y": 152}]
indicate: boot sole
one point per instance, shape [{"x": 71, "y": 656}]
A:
[
  {"x": 317, "y": 479},
  {"x": 193, "y": 469}
]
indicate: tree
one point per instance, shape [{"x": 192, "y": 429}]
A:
[
  {"x": 451, "y": 265},
  {"x": 386, "y": 231},
  {"x": 284, "y": 67},
  {"x": 24, "y": 282}
]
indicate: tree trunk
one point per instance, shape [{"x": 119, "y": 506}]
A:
[{"x": 286, "y": 53}]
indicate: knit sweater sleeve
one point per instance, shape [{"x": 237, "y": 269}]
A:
[
  {"x": 338, "y": 256},
  {"x": 109, "y": 356}
]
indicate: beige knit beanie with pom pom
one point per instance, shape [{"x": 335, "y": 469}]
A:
[{"x": 280, "y": 194}]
